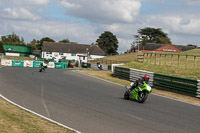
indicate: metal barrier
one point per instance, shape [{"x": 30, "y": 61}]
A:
[
  {"x": 123, "y": 73},
  {"x": 181, "y": 85},
  {"x": 136, "y": 74},
  {"x": 176, "y": 84},
  {"x": 198, "y": 89}
]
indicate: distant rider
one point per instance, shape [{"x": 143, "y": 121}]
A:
[{"x": 44, "y": 65}]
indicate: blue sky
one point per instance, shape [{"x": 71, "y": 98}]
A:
[{"x": 83, "y": 21}]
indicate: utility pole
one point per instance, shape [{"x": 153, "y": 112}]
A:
[{"x": 139, "y": 40}]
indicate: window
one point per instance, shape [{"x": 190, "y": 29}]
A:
[
  {"x": 60, "y": 53},
  {"x": 48, "y": 52},
  {"x": 169, "y": 48}
]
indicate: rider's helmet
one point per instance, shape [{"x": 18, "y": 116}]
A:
[{"x": 146, "y": 77}]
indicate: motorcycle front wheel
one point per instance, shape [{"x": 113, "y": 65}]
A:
[
  {"x": 126, "y": 95},
  {"x": 143, "y": 96}
]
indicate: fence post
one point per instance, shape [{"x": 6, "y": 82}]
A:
[
  {"x": 178, "y": 60},
  {"x": 186, "y": 61},
  {"x": 194, "y": 61},
  {"x": 150, "y": 57},
  {"x": 171, "y": 59},
  {"x": 160, "y": 59}
]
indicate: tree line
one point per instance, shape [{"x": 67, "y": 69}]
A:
[{"x": 107, "y": 41}]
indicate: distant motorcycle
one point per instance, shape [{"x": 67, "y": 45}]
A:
[
  {"x": 70, "y": 65},
  {"x": 43, "y": 66},
  {"x": 140, "y": 93},
  {"x": 99, "y": 66}
]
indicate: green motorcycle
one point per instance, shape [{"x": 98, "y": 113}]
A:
[{"x": 140, "y": 93}]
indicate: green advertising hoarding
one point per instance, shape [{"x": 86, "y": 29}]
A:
[
  {"x": 36, "y": 63},
  {"x": 19, "y": 63},
  {"x": 60, "y": 65}
]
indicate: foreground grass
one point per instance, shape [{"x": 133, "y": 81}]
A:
[
  {"x": 16, "y": 120},
  {"x": 108, "y": 76}
]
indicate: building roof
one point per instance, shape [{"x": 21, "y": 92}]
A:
[
  {"x": 153, "y": 46},
  {"x": 72, "y": 48},
  {"x": 185, "y": 48}
]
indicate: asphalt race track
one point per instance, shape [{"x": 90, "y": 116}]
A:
[{"x": 90, "y": 105}]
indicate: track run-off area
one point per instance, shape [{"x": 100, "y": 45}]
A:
[{"x": 91, "y": 105}]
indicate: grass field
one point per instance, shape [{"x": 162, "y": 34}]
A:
[{"x": 164, "y": 65}]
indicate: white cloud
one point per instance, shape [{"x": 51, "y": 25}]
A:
[
  {"x": 25, "y": 2},
  {"x": 106, "y": 11},
  {"x": 54, "y": 29},
  {"x": 67, "y": 4},
  {"x": 124, "y": 44},
  {"x": 18, "y": 13},
  {"x": 189, "y": 25}
]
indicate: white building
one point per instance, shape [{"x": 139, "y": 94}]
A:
[{"x": 78, "y": 52}]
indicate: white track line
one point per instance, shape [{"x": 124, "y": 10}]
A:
[
  {"x": 43, "y": 102},
  {"x": 196, "y": 104},
  {"x": 38, "y": 114}
]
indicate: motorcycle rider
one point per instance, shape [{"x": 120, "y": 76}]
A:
[
  {"x": 138, "y": 82},
  {"x": 99, "y": 66},
  {"x": 44, "y": 65}
]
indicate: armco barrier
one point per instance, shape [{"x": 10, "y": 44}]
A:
[
  {"x": 185, "y": 86},
  {"x": 28, "y": 63},
  {"x": 176, "y": 84},
  {"x": 136, "y": 74},
  {"x": 6, "y": 62},
  {"x": 51, "y": 65},
  {"x": 123, "y": 73},
  {"x": 60, "y": 65},
  {"x": 37, "y": 63},
  {"x": 198, "y": 89}
]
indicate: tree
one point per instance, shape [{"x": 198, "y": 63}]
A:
[
  {"x": 1, "y": 47},
  {"x": 108, "y": 43},
  {"x": 153, "y": 35},
  {"x": 12, "y": 39},
  {"x": 65, "y": 41},
  {"x": 33, "y": 44},
  {"x": 47, "y": 39}
]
